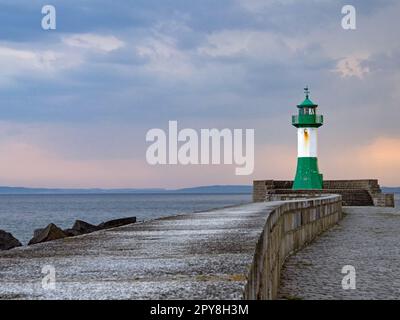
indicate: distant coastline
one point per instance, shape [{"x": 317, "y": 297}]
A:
[
  {"x": 395, "y": 190},
  {"x": 215, "y": 189}
]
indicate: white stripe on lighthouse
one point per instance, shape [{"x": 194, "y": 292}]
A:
[{"x": 307, "y": 142}]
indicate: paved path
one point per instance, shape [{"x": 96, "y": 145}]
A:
[
  {"x": 368, "y": 238},
  {"x": 202, "y": 255}
]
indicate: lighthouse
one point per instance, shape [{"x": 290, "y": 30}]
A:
[{"x": 307, "y": 122}]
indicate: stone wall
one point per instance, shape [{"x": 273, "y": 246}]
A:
[
  {"x": 366, "y": 192},
  {"x": 289, "y": 227},
  {"x": 371, "y": 185},
  {"x": 368, "y": 184},
  {"x": 350, "y": 197},
  {"x": 383, "y": 200},
  {"x": 260, "y": 189}
]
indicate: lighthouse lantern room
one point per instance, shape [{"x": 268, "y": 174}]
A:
[{"x": 307, "y": 122}]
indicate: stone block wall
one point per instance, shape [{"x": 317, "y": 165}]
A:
[
  {"x": 350, "y": 197},
  {"x": 289, "y": 227},
  {"x": 370, "y": 185},
  {"x": 260, "y": 189},
  {"x": 383, "y": 200},
  {"x": 366, "y": 192}
]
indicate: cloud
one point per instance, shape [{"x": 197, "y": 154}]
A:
[
  {"x": 28, "y": 60},
  {"x": 29, "y": 160},
  {"x": 256, "y": 6},
  {"x": 13, "y": 60},
  {"x": 377, "y": 159},
  {"x": 163, "y": 57},
  {"x": 227, "y": 43},
  {"x": 17, "y": 63},
  {"x": 382, "y": 153},
  {"x": 352, "y": 67},
  {"x": 94, "y": 42},
  {"x": 251, "y": 45},
  {"x": 237, "y": 64},
  {"x": 33, "y": 165}
]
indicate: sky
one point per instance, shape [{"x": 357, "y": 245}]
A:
[{"x": 76, "y": 102}]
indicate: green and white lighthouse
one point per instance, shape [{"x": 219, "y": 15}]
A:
[{"x": 307, "y": 123}]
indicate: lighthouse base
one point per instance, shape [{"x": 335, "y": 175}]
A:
[{"x": 307, "y": 174}]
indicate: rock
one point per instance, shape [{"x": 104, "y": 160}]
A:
[
  {"x": 7, "y": 241},
  {"x": 71, "y": 232},
  {"x": 36, "y": 232},
  {"x": 51, "y": 232},
  {"x": 116, "y": 223},
  {"x": 83, "y": 227}
]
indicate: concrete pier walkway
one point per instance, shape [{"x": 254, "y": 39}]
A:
[
  {"x": 202, "y": 255},
  {"x": 367, "y": 238}
]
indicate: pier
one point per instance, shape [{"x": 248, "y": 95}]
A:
[
  {"x": 229, "y": 253},
  {"x": 367, "y": 239}
]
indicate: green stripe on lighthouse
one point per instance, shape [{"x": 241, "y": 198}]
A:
[{"x": 307, "y": 174}]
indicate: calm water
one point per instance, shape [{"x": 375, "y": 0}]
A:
[{"x": 21, "y": 214}]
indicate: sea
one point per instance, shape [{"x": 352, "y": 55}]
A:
[{"x": 22, "y": 214}]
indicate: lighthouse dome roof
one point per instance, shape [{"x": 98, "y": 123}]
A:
[{"x": 307, "y": 103}]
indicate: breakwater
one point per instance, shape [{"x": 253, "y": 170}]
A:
[
  {"x": 364, "y": 192},
  {"x": 216, "y": 254}
]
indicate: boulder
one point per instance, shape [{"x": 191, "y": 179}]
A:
[
  {"x": 71, "y": 232},
  {"x": 51, "y": 232},
  {"x": 116, "y": 223},
  {"x": 36, "y": 232},
  {"x": 82, "y": 227},
  {"x": 7, "y": 241}
]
